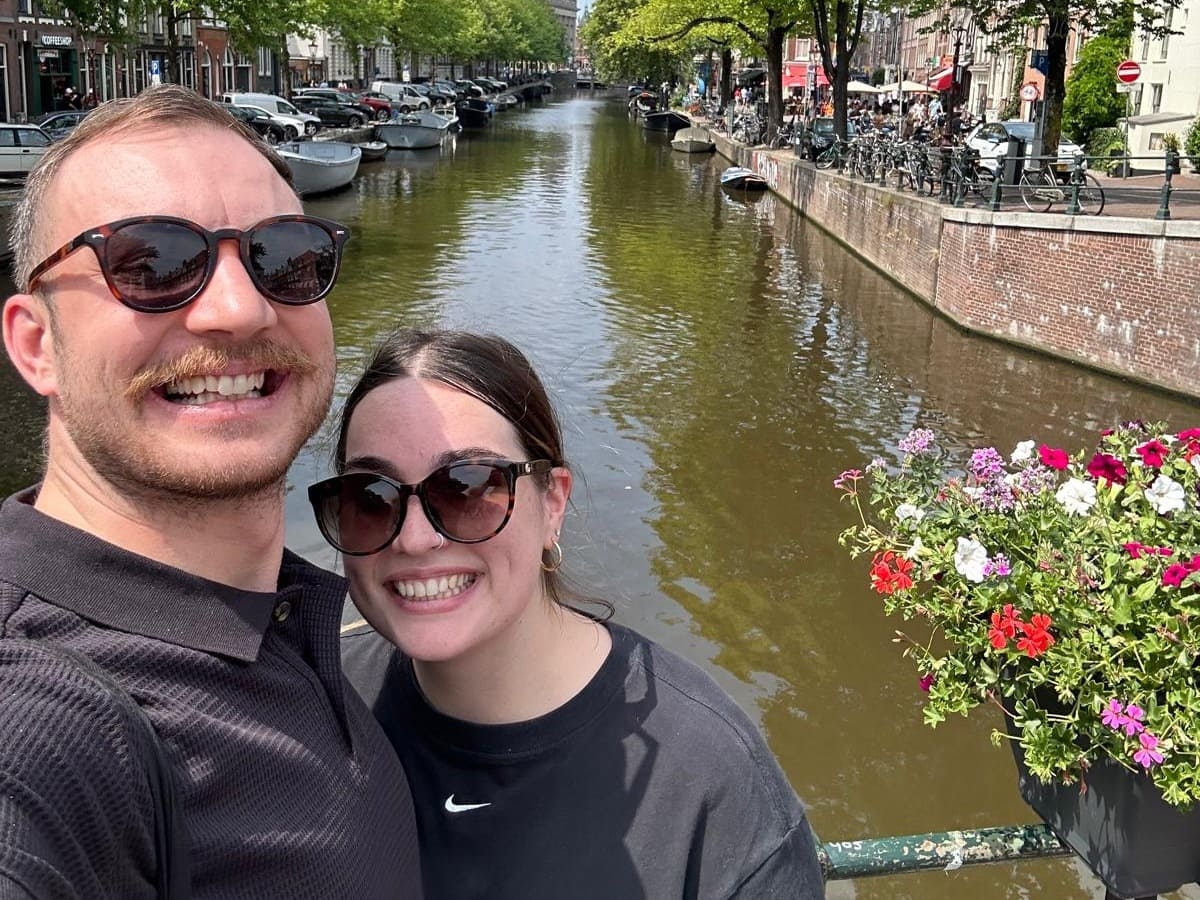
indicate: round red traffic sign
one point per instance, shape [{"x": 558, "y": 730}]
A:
[
  {"x": 1128, "y": 72},
  {"x": 1029, "y": 92}
]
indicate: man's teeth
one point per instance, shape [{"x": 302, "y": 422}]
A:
[
  {"x": 433, "y": 588},
  {"x": 208, "y": 388}
]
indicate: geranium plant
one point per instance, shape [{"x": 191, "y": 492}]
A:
[{"x": 1062, "y": 588}]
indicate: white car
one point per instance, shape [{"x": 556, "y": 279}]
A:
[
  {"x": 21, "y": 146},
  {"x": 293, "y": 126},
  {"x": 991, "y": 140}
]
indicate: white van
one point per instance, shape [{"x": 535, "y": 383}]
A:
[
  {"x": 293, "y": 121},
  {"x": 404, "y": 97}
]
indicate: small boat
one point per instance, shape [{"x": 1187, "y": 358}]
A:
[
  {"x": 693, "y": 140},
  {"x": 372, "y": 150},
  {"x": 667, "y": 120},
  {"x": 737, "y": 178},
  {"x": 474, "y": 112},
  {"x": 415, "y": 131},
  {"x": 645, "y": 102},
  {"x": 319, "y": 166}
]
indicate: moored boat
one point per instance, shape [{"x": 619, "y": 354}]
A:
[
  {"x": 693, "y": 140},
  {"x": 372, "y": 150},
  {"x": 668, "y": 120},
  {"x": 415, "y": 131},
  {"x": 319, "y": 166},
  {"x": 474, "y": 112},
  {"x": 740, "y": 179}
]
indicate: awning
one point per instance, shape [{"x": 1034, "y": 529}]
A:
[
  {"x": 796, "y": 75},
  {"x": 942, "y": 80}
]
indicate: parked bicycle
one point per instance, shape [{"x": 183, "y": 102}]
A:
[{"x": 1041, "y": 189}]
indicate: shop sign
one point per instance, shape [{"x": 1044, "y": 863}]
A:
[{"x": 57, "y": 40}]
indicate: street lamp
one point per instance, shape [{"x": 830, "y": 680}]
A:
[
  {"x": 899, "y": 14},
  {"x": 959, "y": 30},
  {"x": 312, "y": 61}
]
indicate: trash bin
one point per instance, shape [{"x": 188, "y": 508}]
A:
[{"x": 1014, "y": 161}]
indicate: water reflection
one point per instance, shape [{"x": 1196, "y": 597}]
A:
[{"x": 716, "y": 363}]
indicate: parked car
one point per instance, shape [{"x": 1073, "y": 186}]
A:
[
  {"x": 818, "y": 136},
  {"x": 991, "y": 141},
  {"x": 347, "y": 98},
  {"x": 403, "y": 97},
  {"x": 450, "y": 88},
  {"x": 437, "y": 95},
  {"x": 21, "y": 146},
  {"x": 292, "y": 126},
  {"x": 58, "y": 125},
  {"x": 469, "y": 88},
  {"x": 293, "y": 120},
  {"x": 331, "y": 112},
  {"x": 271, "y": 132},
  {"x": 491, "y": 85}
]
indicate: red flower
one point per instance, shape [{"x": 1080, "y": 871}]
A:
[
  {"x": 1004, "y": 626},
  {"x": 1189, "y": 434},
  {"x": 927, "y": 681},
  {"x": 1053, "y": 458},
  {"x": 885, "y": 579},
  {"x": 1152, "y": 453},
  {"x": 1106, "y": 467},
  {"x": 1174, "y": 575},
  {"x": 1134, "y": 549},
  {"x": 1037, "y": 639}
]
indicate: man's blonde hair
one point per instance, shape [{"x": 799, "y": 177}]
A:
[{"x": 157, "y": 107}]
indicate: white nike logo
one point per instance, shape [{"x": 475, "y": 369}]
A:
[{"x": 453, "y": 807}]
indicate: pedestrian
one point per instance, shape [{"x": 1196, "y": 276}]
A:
[
  {"x": 90, "y": 101},
  {"x": 183, "y": 345},
  {"x": 71, "y": 96},
  {"x": 552, "y": 753}
]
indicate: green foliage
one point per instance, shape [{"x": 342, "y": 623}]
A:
[
  {"x": 1191, "y": 141},
  {"x": 878, "y": 76},
  {"x": 614, "y": 56},
  {"x": 1092, "y": 100},
  {"x": 1103, "y": 141},
  {"x": 1064, "y": 590}
]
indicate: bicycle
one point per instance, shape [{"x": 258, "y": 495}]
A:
[{"x": 1040, "y": 190}]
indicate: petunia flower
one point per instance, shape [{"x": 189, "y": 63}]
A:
[
  {"x": 1165, "y": 495},
  {"x": 1106, "y": 467},
  {"x": 1174, "y": 575},
  {"x": 909, "y": 511},
  {"x": 1077, "y": 496},
  {"x": 1153, "y": 453},
  {"x": 1053, "y": 458},
  {"x": 1023, "y": 453},
  {"x": 970, "y": 558}
]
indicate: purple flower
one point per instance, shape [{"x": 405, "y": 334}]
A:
[
  {"x": 996, "y": 496},
  {"x": 1148, "y": 756},
  {"x": 846, "y": 480},
  {"x": 1133, "y": 720},
  {"x": 927, "y": 681},
  {"x": 1113, "y": 715},
  {"x": 998, "y": 566},
  {"x": 917, "y": 441},
  {"x": 1035, "y": 479},
  {"x": 987, "y": 464}
]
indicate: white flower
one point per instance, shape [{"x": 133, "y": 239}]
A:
[
  {"x": 914, "y": 551},
  {"x": 970, "y": 558},
  {"x": 1077, "y": 497},
  {"x": 973, "y": 491},
  {"x": 909, "y": 511},
  {"x": 1165, "y": 495},
  {"x": 1023, "y": 453}
]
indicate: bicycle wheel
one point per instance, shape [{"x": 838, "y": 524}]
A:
[
  {"x": 1039, "y": 190},
  {"x": 1091, "y": 196},
  {"x": 827, "y": 157}
]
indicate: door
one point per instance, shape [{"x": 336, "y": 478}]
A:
[
  {"x": 33, "y": 145},
  {"x": 10, "y": 154}
]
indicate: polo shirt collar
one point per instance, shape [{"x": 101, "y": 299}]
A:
[{"x": 113, "y": 587}]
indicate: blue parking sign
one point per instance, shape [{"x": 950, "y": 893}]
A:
[{"x": 154, "y": 67}]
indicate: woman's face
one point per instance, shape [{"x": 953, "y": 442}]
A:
[{"x": 476, "y": 596}]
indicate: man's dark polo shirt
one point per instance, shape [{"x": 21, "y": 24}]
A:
[{"x": 289, "y": 788}]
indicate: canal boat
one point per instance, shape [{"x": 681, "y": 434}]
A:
[
  {"x": 693, "y": 140},
  {"x": 372, "y": 151},
  {"x": 415, "y": 131},
  {"x": 645, "y": 102},
  {"x": 668, "y": 120},
  {"x": 474, "y": 112},
  {"x": 320, "y": 166},
  {"x": 737, "y": 178}
]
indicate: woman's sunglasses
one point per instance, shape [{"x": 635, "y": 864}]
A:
[
  {"x": 158, "y": 264},
  {"x": 470, "y": 501}
]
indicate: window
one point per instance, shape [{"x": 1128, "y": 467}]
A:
[
  {"x": 1166, "y": 38},
  {"x": 8, "y": 137},
  {"x": 25, "y": 7},
  {"x": 1145, "y": 46},
  {"x": 1156, "y": 141},
  {"x": 31, "y": 138},
  {"x": 1155, "y": 97},
  {"x": 265, "y": 66}
]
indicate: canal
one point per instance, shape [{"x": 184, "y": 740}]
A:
[{"x": 716, "y": 362}]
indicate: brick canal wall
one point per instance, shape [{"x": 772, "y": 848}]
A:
[{"x": 1117, "y": 294}]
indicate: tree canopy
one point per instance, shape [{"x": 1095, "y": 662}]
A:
[{"x": 1091, "y": 99}]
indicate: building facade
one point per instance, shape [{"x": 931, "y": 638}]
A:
[{"x": 1166, "y": 99}]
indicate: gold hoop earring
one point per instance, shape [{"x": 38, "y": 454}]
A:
[{"x": 556, "y": 558}]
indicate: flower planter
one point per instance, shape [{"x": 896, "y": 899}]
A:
[{"x": 1134, "y": 841}]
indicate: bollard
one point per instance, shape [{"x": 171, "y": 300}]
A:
[
  {"x": 1073, "y": 208},
  {"x": 1164, "y": 203},
  {"x": 960, "y": 177},
  {"x": 997, "y": 180},
  {"x": 944, "y": 195}
]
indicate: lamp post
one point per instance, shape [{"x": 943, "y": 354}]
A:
[
  {"x": 899, "y": 14},
  {"x": 312, "y": 61},
  {"x": 959, "y": 30}
]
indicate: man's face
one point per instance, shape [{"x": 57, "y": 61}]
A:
[{"x": 131, "y": 393}]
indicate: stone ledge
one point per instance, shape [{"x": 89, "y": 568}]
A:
[{"x": 1083, "y": 224}]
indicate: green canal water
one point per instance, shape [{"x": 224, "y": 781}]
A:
[{"x": 717, "y": 363}]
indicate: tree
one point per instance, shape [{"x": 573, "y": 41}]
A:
[
  {"x": 1010, "y": 21},
  {"x": 838, "y": 38},
  {"x": 614, "y": 58},
  {"x": 1091, "y": 98}
]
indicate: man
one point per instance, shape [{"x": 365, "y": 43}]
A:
[{"x": 172, "y": 314}]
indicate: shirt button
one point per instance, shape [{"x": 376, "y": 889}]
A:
[{"x": 282, "y": 611}]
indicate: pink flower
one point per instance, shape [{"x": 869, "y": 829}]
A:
[
  {"x": 1114, "y": 715},
  {"x": 845, "y": 481},
  {"x": 1148, "y": 756},
  {"x": 1174, "y": 575},
  {"x": 1107, "y": 467},
  {"x": 927, "y": 682},
  {"x": 1133, "y": 720},
  {"x": 1134, "y": 549},
  {"x": 1053, "y": 458},
  {"x": 1152, "y": 453}
]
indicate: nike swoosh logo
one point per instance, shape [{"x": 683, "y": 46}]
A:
[{"x": 453, "y": 807}]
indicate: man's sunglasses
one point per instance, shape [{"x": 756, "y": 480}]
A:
[
  {"x": 158, "y": 264},
  {"x": 470, "y": 501}
]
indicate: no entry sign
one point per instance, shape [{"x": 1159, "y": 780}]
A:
[{"x": 1128, "y": 72}]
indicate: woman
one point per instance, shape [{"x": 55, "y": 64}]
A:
[{"x": 551, "y": 754}]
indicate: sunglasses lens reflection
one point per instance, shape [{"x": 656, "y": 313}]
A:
[
  {"x": 469, "y": 500},
  {"x": 293, "y": 262}
]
